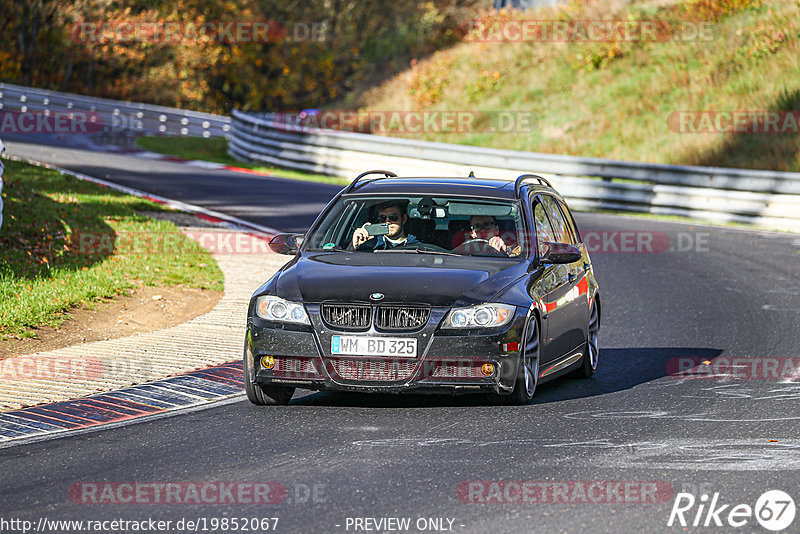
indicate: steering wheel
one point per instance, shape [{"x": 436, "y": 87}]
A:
[
  {"x": 476, "y": 240},
  {"x": 479, "y": 246}
]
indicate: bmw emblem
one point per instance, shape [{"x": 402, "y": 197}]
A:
[{"x": 376, "y": 296}]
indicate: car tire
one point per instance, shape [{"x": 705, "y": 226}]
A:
[
  {"x": 591, "y": 356},
  {"x": 263, "y": 395},
  {"x": 527, "y": 370}
]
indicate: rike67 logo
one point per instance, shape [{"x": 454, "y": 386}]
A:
[{"x": 774, "y": 510}]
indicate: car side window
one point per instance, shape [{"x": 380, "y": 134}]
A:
[
  {"x": 544, "y": 232},
  {"x": 561, "y": 233},
  {"x": 572, "y": 228}
]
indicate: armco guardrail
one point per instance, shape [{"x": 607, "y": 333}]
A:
[
  {"x": 117, "y": 117},
  {"x": 765, "y": 198}
]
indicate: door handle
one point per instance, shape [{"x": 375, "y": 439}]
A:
[{"x": 571, "y": 277}]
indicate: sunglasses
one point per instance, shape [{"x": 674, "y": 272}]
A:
[
  {"x": 391, "y": 217},
  {"x": 484, "y": 226}
]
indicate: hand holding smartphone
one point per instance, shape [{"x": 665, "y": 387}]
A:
[{"x": 377, "y": 229}]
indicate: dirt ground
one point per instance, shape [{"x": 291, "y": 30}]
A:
[{"x": 146, "y": 309}]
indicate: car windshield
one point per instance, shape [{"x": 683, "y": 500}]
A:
[{"x": 436, "y": 225}]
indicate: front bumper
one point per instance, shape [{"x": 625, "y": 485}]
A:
[{"x": 448, "y": 361}]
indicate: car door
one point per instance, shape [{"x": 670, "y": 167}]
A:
[
  {"x": 585, "y": 264},
  {"x": 573, "y": 302},
  {"x": 552, "y": 287}
]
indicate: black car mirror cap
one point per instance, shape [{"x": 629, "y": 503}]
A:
[
  {"x": 560, "y": 253},
  {"x": 286, "y": 243}
]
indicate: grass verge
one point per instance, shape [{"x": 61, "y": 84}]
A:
[
  {"x": 69, "y": 243},
  {"x": 216, "y": 149}
]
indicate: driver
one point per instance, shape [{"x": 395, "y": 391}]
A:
[
  {"x": 485, "y": 227},
  {"x": 393, "y": 212}
]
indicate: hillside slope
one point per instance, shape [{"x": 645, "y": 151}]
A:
[{"x": 625, "y": 98}]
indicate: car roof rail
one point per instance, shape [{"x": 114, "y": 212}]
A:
[
  {"x": 525, "y": 177},
  {"x": 386, "y": 174}
]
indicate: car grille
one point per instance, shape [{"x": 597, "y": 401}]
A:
[
  {"x": 374, "y": 370},
  {"x": 401, "y": 317},
  {"x": 386, "y": 318},
  {"x": 347, "y": 315}
]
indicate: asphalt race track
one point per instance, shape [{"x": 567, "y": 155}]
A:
[
  {"x": 711, "y": 294},
  {"x": 294, "y": 204}
]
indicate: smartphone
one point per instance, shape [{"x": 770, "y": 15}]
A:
[{"x": 377, "y": 229}]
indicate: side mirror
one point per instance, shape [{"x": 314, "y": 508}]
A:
[
  {"x": 286, "y": 243},
  {"x": 560, "y": 253}
]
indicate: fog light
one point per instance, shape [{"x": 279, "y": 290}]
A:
[
  {"x": 487, "y": 369},
  {"x": 267, "y": 362}
]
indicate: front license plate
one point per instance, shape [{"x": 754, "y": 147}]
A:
[{"x": 374, "y": 346}]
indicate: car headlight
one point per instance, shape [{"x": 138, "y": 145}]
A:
[
  {"x": 281, "y": 310},
  {"x": 481, "y": 316}
]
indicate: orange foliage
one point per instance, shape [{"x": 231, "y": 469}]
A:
[{"x": 312, "y": 54}]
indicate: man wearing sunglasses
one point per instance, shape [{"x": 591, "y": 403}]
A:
[
  {"x": 485, "y": 228},
  {"x": 393, "y": 212}
]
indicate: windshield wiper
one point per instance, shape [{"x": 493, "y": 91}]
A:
[
  {"x": 334, "y": 249},
  {"x": 436, "y": 252},
  {"x": 417, "y": 251}
]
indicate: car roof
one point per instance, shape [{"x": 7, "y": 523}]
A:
[{"x": 495, "y": 188}]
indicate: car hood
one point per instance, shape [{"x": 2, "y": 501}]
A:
[{"x": 400, "y": 277}]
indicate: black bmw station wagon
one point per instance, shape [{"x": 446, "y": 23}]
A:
[{"x": 440, "y": 285}]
